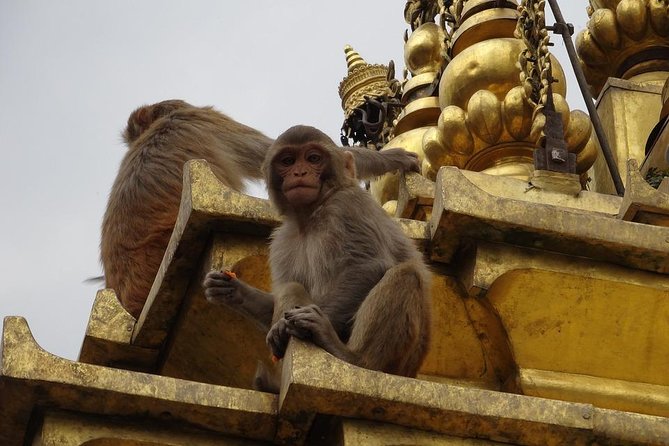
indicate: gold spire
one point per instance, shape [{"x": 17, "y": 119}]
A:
[
  {"x": 362, "y": 80},
  {"x": 353, "y": 59}
]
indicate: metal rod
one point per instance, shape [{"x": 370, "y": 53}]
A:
[{"x": 563, "y": 29}]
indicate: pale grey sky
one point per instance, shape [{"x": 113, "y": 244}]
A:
[{"x": 71, "y": 71}]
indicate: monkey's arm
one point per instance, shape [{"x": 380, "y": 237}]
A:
[
  {"x": 370, "y": 163},
  {"x": 222, "y": 288}
]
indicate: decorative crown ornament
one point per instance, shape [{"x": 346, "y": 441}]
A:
[{"x": 363, "y": 80}]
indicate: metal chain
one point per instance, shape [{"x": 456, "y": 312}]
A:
[{"x": 535, "y": 62}]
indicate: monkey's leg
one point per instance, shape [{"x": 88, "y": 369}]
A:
[{"x": 392, "y": 327}]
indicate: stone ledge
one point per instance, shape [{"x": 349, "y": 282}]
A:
[{"x": 31, "y": 379}]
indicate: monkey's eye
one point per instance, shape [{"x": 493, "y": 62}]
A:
[
  {"x": 314, "y": 158},
  {"x": 287, "y": 160}
]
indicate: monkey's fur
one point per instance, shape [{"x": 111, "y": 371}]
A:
[
  {"x": 367, "y": 282},
  {"x": 144, "y": 199}
]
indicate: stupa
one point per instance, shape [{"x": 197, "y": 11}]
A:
[{"x": 550, "y": 288}]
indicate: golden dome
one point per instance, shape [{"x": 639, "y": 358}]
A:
[
  {"x": 423, "y": 50},
  {"x": 486, "y": 123},
  {"x": 489, "y": 65}
]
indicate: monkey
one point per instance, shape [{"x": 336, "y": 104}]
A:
[
  {"x": 361, "y": 284},
  {"x": 144, "y": 199}
]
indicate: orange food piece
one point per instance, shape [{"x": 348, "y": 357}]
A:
[
  {"x": 275, "y": 359},
  {"x": 230, "y": 274}
]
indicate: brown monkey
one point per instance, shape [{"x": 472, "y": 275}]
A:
[
  {"x": 144, "y": 199},
  {"x": 364, "y": 283}
]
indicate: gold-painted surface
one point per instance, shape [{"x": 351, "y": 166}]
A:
[
  {"x": 418, "y": 113},
  {"x": 643, "y": 203},
  {"x": 390, "y": 207},
  {"x": 566, "y": 183},
  {"x": 386, "y": 188},
  {"x": 489, "y": 65},
  {"x": 108, "y": 320},
  {"x": 418, "y": 231},
  {"x": 651, "y": 78},
  {"x": 214, "y": 343},
  {"x": 488, "y": 24},
  {"x": 206, "y": 205},
  {"x": 487, "y": 122},
  {"x": 362, "y": 80},
  {"x": 415, "y": 198},
  {"x": 453, "y": 133},
  {"x": 418, "y": 86},
  {"x": 630, "y": 428},
  {"x": 602, "y": 392},
  {"x": 70, "y": 429},
  {"x": 423, "y": 49},
  {"x": 108, "y": 336},
  {"x": 626, "y": 334},
  {"x": 32, "y": 379},
  {"x": 510, "y": 160},
  {"x": 484, "y": 112},
  {"x": 628, "y": 111},
  {"x": 470, "y": 205},
  {"x": 518, "y": 114},
  {"x": 358, "y": 433},
  {"x": 518, "y": 190},
  {"x": 484, "y": 264},
  {"x": 518, "y": 167},
  {"x": 623, "y": 38},
  {"x": 579, "y": 131},
  {"x": 574, "y": 324},
  {"x": 664, "y": 186},
  {"x": 456, "y": 351},
  {"x": 309, "y": 387}
]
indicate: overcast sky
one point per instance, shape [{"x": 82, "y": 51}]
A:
[{"x": 71, "y": 71}]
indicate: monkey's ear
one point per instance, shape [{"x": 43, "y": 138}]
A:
[{"x": 349, "y": 164}]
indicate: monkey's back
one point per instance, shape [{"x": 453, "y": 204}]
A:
[{"x": 144, "y": 200}]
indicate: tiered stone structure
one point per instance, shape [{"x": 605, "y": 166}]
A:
[{"x": 551, "y": 306}]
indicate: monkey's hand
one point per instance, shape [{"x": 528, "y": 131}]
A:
[
  {"x": 310, "y": 323},
  {"x": 277, "y": 338},
  {"x": 280, "y": 333},
  {"x": 223, "y": 287},
  {"x": 401, "y": 159}
]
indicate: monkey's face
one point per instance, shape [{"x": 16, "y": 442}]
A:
[{"x": 301, "y": 170}]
